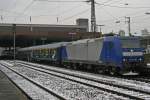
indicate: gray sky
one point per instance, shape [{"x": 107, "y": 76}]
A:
[{"x": 44, "y": 12}]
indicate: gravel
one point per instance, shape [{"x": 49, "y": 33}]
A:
[
  {"x": 69, "y": 89},
  {"x": 29, "y": 88},
  {"x": 118, "y": 81}
]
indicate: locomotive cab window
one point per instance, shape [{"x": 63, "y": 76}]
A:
[{"x": 130, "y": 43}]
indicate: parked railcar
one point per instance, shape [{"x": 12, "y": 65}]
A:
[
  {"x": 48, "y": 53},
  {"x": 113, "y": 54},
  {"x": 6, "y": 54}
]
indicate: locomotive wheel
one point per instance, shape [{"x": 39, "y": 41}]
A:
[
  {"x": 114, "y": 71},
  {"x": 74, "y": 66},
  {"x": 99, "y": 71}
]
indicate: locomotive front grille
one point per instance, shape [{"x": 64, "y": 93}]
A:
[{"x": 132, "y": 66}]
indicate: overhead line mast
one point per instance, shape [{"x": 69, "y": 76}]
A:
[
  {"x": 93, "y": 17},
  {"x": 129, "y": 26}
]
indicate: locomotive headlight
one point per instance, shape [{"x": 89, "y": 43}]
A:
[
  {"x": 140, "y": 59},
  {"x": 131, "y": 50},
  {"x": 124, "y": 60}
]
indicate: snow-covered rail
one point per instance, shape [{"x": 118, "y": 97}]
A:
[
  {"x": 145, "y": 79},
  {"x": 70, "y": 89},
  {"x": 126, "y": 83},
  {"x": 33, "y": 90},
  {"x": 118, "y": 87}
]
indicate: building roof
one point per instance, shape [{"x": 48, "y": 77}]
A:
[{"x": 42, "y": 25}]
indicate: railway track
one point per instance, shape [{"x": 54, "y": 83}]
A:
[
  {"x": 141, "y": 79},
  {"x": 130, "y": 90},
  {"x": 78, "y": 91},
  {"x": 26, "y": 85}
]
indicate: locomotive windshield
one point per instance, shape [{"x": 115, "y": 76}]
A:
[{"x": 130, "y": 43}]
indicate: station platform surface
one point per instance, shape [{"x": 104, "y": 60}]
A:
[{"x": 8, "y": 90}]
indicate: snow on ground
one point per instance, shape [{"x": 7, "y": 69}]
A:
[
  {"x": 95, "y": 83},
  {"x": 30, "y": 89},
  {"x": 69, "y": 89},
  {"x": 124, "y": 82},
  {"x": 131, "y": 73}
]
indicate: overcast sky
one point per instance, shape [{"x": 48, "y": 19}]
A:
[{"x": 45, "y": 12}]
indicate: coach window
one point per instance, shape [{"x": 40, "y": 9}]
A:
[
  {"x": 49, "y": 53},
  {"x": 54, "y": 54},
  {"x": 46, "y": 53}
]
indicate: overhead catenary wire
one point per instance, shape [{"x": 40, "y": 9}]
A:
[
  {"x": 107, "y": 1},
  {"x": 107, "y": 4},
  {"x": 77, "y": 14},
  {"x": 114, "y": 18},
  {"x": 110, "y": 14},
  {"x": 129, "y": 7},
  {"x": 86, "y": 1},
  {"x": 9, "y": 11},
  {"x": 134, "y": 23},
  {"x": 113, "y": 25},
  {"x": 114, "y": 1},
  {"x": 15, "y": 3},
  {"x": 26, "y": 8},
  {"x": 60, "y": 1},
  {"x": 129, "y": 14},
  {"x": 61, "y": 19}
]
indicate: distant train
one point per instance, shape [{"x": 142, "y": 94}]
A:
[
  {"x": 5, "y": 54},
  {"x": 112, "y": 54}
]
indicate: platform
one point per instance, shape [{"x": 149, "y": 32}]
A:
[{"x": 8, "y": 90}]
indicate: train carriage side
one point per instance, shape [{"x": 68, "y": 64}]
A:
[
  {"x": 24, "y": 54},
  {"x": 108, "y": 54},
  {"x": 111, "y": 54},
  {"x": 50, "y": 53},
  {"x": 83, "y": 53}
]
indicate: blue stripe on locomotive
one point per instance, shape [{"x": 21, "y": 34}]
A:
[
  {"x": 64, "y": 55},
  {"x": 133, "y": 58},
  {"x": 111, "y": 51}
]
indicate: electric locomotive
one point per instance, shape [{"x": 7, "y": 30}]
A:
[
  {"x": 125, "y": 52},
  {"x": 112, "y": 54}
]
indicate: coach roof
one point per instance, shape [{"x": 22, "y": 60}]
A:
[{"x": 48, "y": 46}]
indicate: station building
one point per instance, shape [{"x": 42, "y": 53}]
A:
[{"x": 37, "y": 34}]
